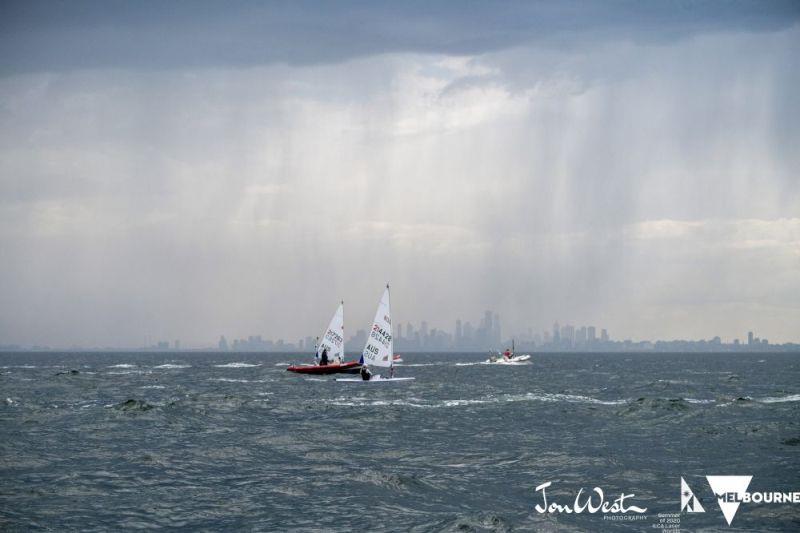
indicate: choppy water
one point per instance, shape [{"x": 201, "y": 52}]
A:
[{"x": 233, "y": 441}]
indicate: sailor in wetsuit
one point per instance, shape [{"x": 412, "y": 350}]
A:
[
  {"x": 365, "y": 373},
  {"x": 323, "y": 360}
]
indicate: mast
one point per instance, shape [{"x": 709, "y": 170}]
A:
[
  {"x": 341, "y": 352},
  {"x": 391, "y": 332}
]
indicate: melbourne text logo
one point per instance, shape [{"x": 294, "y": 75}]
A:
[{"x": 732, "y": 491}]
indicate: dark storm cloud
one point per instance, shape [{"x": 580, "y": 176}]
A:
[
  {"x": 41, "y": 36},
  {"x": 181, "y": 170}
]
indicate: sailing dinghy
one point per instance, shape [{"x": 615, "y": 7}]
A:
[
  {"x": 333, "y": 341},
  {"x": 507, "y": 358},
  {"x": 379, "y": 349}
]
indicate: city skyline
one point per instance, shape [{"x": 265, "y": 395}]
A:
[{"x": 485, "y": 335}]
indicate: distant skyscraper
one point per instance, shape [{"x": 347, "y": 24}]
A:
[
  {"x": 580, "y": 336},
  {"x": 223, "y": 343},
  {"x": 459, "y": 333},
  {"x": 568, "y": 334},
  {"x": 591, "y": 334},
  {"x": 399, "y": 333},
  {"x": 556, "y": 333},
  {"x": 749, "y": 337},
  {"x": 469, "y": 334},
  {"x": 604, "y": 335}
]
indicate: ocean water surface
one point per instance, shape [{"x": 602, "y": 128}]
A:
[{"x": 227, "y": 441}]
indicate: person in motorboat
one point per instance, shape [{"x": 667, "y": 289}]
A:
[
  {"x": 507, "y": 355},
  {"x": 366, "y": 375},
  {"x": 323, "y": 359}
]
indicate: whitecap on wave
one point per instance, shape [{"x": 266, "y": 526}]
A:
[
  {"x": 416, "y": 402},
  {"x": 378, "y": 403},
  {"x": 122, "y": 365},
  {"x": 234, "y": 380},
  {"x": 458, "y": 403},
  {"x": 570, "y": 398},
  {"x": 238, "y": 365},
  {"x": 781, "y": 399},
  {"x": 170, "y": 365}
]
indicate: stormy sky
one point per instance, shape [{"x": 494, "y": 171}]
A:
[{"x": 190, "y": 169}]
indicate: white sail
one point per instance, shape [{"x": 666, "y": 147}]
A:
[
  {"x": 379, "y": 348},
  {"x": 333, "y": 338}
]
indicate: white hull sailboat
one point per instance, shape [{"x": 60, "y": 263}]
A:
[{"x": 379, "y": 350}]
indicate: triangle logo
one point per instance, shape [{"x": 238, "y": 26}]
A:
[
  {"x": 729, "y": 491},
  {"x": 689, "y": 502}
]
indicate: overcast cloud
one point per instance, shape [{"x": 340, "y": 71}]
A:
[{"x": 188, "y": 170}]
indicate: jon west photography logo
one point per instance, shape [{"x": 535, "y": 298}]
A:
[{"x": 590, "y": 502}]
